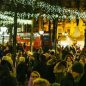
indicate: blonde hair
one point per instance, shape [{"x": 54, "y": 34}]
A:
[
  {"x": 33, "y": 76},
  {"x": 35, "y": 72},
  {"x": 41, "y": 82},
  {"x": 8, "y": 58},
  {"x": 21, "y": 59}
]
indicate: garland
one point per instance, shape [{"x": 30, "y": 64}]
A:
[{"x": 49, "y": 11}]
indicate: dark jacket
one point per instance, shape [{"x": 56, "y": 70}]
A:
[
  {"x": 21, "y": 72},
  {"x": 68, "y": 80},
  {"x": 82, "y": 81},
  {"x": 5, "y": 78}
]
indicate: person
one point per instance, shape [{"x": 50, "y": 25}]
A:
[
  {"x": 5, "y": 77},
  {"x": 69, "y": 61},
  {"x": 41, "y": 82},
  {"x": 33, "y": 76},
  {"x": 60, "y": 71},
  {"x": 21, "y": 71},
  {"x": 82, "y": 81},
  {"x": 70, "y": 78}
]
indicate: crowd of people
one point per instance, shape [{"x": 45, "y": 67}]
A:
[{"x": 65, "y": 67}]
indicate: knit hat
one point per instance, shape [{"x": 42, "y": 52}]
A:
[{"x": 77, "y": 67}]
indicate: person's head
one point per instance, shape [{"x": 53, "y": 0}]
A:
[
  {"x": 29, "y": 53},
  {"x": 82, "y": 59},
  {"x": 8, "y": 58},
  {"x": 21, "y": 59},
  {"x": 9, "y": 54},
  {"x": 34, "y": 75},
  {"x": 59, "y": 71},
  {"x": 77, "y": 69},
  {"x": 69, "y": 57},
  {"x": 60, "y": 67},
  {"x": 41, "y": 82}
]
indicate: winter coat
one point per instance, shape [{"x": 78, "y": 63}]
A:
[
  {"x": 68, "y": 80},
  {"x": 82, "y": 81},
  {"x": 21, "y": 72}
]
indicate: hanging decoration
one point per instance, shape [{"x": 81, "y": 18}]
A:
[
  {"x": 4, "y": 19},
  {"x": 49, "y": 11}
]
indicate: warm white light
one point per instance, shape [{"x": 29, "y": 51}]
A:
[
  {"x": 36, "y": 34},
  {"x": 3, "y": 29},
  {"x": 21, "y": 21},
  {"x": 80, "y": 44},
  {"x": 65, "y": 34},
  {"x": 66, "y": 42},
  {"x": 41, "y": 32}
]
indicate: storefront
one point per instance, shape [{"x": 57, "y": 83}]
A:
[{"x": 4, "y": 36}]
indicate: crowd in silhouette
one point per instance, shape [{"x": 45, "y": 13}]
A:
[{"x": 65, "y": 67}]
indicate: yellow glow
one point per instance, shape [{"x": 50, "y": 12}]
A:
[
  {"x": 66, "y": 42},
  {"x": 80, "y": 44},
  {"x": 74, "y": 32}
]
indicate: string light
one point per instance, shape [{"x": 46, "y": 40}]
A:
[{"x": 50, "y": 11}]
